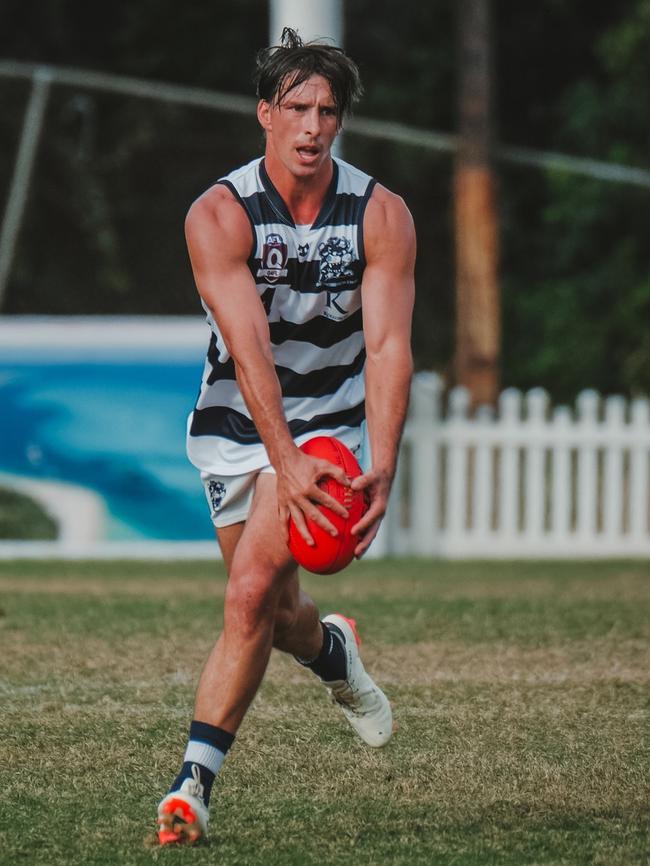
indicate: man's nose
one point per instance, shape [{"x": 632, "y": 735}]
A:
[{"x": 311, "y": 121}]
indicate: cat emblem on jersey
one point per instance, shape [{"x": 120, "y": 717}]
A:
[
  {"x": 274, "y": 259},
  {"x": 336, "y": 274}
]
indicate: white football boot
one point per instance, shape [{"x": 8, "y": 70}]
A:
[
  {"x": 182, "y": 814},
  {"x": 363, "y": 703}
]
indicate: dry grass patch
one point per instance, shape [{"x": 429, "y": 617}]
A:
[{"x": 521, "y": 696}]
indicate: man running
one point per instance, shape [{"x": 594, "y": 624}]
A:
[{"x": 304, "y": 265}]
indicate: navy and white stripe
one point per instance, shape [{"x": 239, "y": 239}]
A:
[
  {"x": 309, "y": 281},
  {"x": 207, "y": 747}
]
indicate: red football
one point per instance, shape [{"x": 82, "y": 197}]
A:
[{"x": 330, "y": 554}]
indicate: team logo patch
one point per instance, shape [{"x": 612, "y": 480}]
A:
[
  {"x": 216, "y": 492},
  {"x": 274, "y": 259},
  {"x": 303, "y": 250},
  {"x": 335, "y": 260},
  {"x": 336, "y": 275}
]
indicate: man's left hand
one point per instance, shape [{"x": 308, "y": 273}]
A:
[{"x": 376, "y": 484}]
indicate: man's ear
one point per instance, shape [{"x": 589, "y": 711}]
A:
[{"x": 264, "y": 114}]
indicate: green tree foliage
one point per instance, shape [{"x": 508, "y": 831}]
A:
[
  {"x": 23, "y": 519},
  {"x": 577, "y": 261}
]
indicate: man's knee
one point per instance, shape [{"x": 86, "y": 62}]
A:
[
  {"x": 251, "y": 602},
  {"x": 286, "y": 616}
]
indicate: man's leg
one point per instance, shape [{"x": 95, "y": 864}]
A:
[
  {"x": 265, "y": 607},
  {"x": 297, "y": 625},
  {"x": 261, "y": 573},
  {"x": 260, "y": 567},
  {"x": 296, "y": 614},
  {"x": 337, "y": 662}
]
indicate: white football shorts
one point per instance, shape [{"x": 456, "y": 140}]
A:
[{"x": 230, "y": 496}]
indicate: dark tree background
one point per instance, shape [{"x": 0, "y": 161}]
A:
[{"x": 115, "y": 176}]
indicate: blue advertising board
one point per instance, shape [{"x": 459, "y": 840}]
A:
[{"x": 101, "y": 405}]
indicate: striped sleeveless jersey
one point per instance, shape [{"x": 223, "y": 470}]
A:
[{"x": 309, "y": 279}]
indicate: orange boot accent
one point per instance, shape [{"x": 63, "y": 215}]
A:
[
  {"x": 178, "y": 824},
  {"x": 353, "y": 625}
]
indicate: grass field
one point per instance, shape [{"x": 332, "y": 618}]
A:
[{"x": 521, "y": 691}]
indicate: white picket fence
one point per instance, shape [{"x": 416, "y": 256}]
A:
[{"x": 524, "y": 481}]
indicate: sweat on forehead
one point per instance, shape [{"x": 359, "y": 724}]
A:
[{"x": 292, "y": 87}]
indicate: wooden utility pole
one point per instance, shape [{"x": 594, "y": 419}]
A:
[{"x": 478, "y": 309}]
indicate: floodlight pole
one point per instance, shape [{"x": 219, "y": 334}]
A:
[
  {"x": 478, "y": 309},
  {"x": 19, "y": 189},
  {"x": 312, "y": 19}
]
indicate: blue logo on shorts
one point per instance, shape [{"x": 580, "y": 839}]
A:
[{"x": 216, "y": 492}]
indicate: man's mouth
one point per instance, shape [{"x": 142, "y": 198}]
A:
[{"x": 308, "y": 153}]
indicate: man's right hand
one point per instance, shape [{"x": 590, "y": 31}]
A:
[{"x": 299, "y": 494}]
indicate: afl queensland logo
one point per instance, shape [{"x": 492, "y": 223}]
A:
[{"x": 274, "y": 259}]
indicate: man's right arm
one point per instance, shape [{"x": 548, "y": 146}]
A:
[{"x": 218, "y": 239}]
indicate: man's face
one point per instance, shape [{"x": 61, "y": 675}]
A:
[{"x": 300, "y": 131}]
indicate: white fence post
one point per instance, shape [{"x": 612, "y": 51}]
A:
[
  {"x": 424, "y": 465},
  {"x": 562, "y": 480},
  {"x": 520, "y": 483},
  {"x": 508, "y": 488},
  {"x": 535, "y": 484},
  {"x": 639, "y": 495},
  {"x": 457, "y": 469},
  {"x": 483, "y": 480},
  {"x": 586, "y": 486},
  {"x": 612, "y": 480}
]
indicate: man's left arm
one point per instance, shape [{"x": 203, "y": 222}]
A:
[{"x": 388, "y": 293}]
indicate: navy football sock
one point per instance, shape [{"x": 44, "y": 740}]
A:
[
  {"x": 331, "y": 662},
  {"x": 206, "y": 748}
]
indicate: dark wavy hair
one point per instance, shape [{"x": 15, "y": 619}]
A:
[{"x": 280, "y": 68}]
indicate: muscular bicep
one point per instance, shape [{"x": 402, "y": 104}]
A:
[
  {"x": 388, "y": 287},
  {"x": 218, "y": 238}
]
